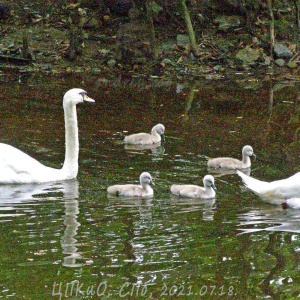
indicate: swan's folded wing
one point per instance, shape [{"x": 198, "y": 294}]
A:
[
  {"x": 14, "y": 163},
  {"x": 287, "y": 188}
]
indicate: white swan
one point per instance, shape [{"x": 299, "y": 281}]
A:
[
  {"x": 275, "y": 192},
  {"x": 134, "y": 190},
  {"x": 156, "y": 135},
  {"x": 195, "y": 191},
  {"x": 17, "y": 167},
  {"x": 233, "y": 163}
]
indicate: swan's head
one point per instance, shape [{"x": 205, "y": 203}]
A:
[
  {"x": 209, "y": 181},
  {"x": 75, "y": 96},
  {"x": 146, "y": 179},
  {"x": 248, "y": 151},
  {"x": 160, "y": 129}
]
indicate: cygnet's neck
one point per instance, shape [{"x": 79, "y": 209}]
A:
[
  {"x": 246, "y": 160},
  {"x": 155, "y": 133},
  {"x": 70, "y": 166},
  {"x": 147, "y": 187},
  {"x": 207, "y": 187},
  {"x": 210, "y": 191}
]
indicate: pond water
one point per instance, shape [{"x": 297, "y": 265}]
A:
[{"x": 69, "y": 240}]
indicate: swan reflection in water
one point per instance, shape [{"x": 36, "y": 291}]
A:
[
  {"x": 68, "y": 241},
  {"x": 67, "y": 192},
  {"x": 270, "y": 219}
]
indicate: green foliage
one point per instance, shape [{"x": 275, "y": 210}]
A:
[{"x": 284, "y": 28}]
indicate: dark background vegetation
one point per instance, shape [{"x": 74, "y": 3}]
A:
[{"x": 132, "y": 35}]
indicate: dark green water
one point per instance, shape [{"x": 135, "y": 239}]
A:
[{"x": 70, "y": 241}]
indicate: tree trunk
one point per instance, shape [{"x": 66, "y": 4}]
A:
[
  {"x": 297, "y": 14},
  {"x": 272, "y": 28},
  {"x": 25, "y": 48},
  {"x": 190, "y": 29},
  {"x": 152, "y": 30}
]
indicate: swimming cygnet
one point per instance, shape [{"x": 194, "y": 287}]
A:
[
  {"x": 156, "y": 135},
  {"x": 195, "y": 191},
  {"x": 233, "y": 163},
  {"x": 134, "y": 190}
]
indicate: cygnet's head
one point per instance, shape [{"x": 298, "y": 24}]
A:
[
  {"x": 159, "y": 128},
  {"x": 248, "y": 151},
  {"x": 209, "y": 181},
  {"x": 146, "y": 178}
]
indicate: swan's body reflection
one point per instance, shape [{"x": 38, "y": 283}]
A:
[
  {"x": 274, "y": 219},
  {"x": 13, "y": 196},
  {"x": 22, "y": 193}
]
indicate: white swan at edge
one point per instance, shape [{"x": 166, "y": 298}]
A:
[
  {"x": 18, "y": 167},
  {"x": 284, "y": 191}
]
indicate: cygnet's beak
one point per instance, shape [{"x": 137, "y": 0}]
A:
[
  {"x": 253, "y": 155},
  {"x": 152, "y": 183},
  {"x": 213, "y": 186}
]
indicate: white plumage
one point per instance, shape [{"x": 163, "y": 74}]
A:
[
  {"x": 134, "y": 190},
  {"x": 275, "y": 192},
  {"x": 195, "y": 191},
  {"x": 230, "y": 163},
  {"x": 143, "y": 138},
  {"x": 17, "y": 167}
]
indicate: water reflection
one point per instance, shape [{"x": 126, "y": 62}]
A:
[
  {"x": 188, "y": 205},
  {"x": 267, "y": 251},
  {"x": 271, "y": 218},
  {"x": 156, "y": 149},
  {"x": 222, "y": 172},
  {"x": 18, "y": 199},
  {"x": 141, "y": 205},
  {"x": 15, "y": 193},
  {"x": 190, "y": 98},
  {"x": 164, "y": 240},
  {"x": 68, "y": 241},
  {"x": 273, "y": 248},
  {"x": 149, "y": 245}
]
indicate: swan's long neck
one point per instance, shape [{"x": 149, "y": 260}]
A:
[{"x": 72, "y": 143}]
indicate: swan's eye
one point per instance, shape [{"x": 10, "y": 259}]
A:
[{"x": 83, "y": 94}]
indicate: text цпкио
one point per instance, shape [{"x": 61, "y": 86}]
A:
[{"x": 75, "y": 288}]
